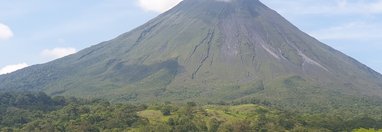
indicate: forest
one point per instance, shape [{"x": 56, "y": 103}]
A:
[{"x": 41, "y": 113}]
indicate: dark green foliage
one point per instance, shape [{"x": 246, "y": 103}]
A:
[
  {"x": 171, "y": 122},
  {"x": 166, "y": 110},
  {"x": 214, "y": 125},
  {"x": 17, "y": 109},
  {"x": 71, "y": 114},
  {"x": 191, "y": 104},
  {"x": 27, "y": 100},
  {"x": 185, "y": 124}
]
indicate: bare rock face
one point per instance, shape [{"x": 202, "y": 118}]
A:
[{"x": 208, "y": 50}]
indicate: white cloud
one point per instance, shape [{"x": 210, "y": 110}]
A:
[
  {"x": 332, "y": 7},
  {"x": 57, "y": 52},
  {"x": 162, "y": 5},
  {"x": 157, "y": 5},
  {"x": 349, "y": 19},
  {"x": 360, "y": 7},
  {"x": 224, "y": 0},
  {"x": 5, "y": 32},
  {"x": 12, "y": 68},
  {"x": 350, "y": 31},
  {"x": 376, "y": 7}
]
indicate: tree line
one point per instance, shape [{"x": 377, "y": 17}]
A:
[{"x": 39, "y": 112}]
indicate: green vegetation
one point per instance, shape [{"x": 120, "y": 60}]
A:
[{"x": 39, "y": 112}]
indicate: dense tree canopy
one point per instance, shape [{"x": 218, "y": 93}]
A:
[{"x": 39, "y": 112}]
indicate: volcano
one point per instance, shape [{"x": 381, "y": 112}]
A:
[{"x": 208, "y": 51}]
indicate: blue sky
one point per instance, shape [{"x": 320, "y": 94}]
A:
[{"x": 38, "y": 31}]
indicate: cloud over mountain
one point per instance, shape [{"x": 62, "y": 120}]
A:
[
  {"x": 157, "y": 5},
  {"x": 57, "y": 52},
  {"x": 5, "y": 32},
  {"x": 12, "y": 68}
]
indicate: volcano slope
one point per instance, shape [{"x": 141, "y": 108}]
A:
[{"x": 210, "y": 51}]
